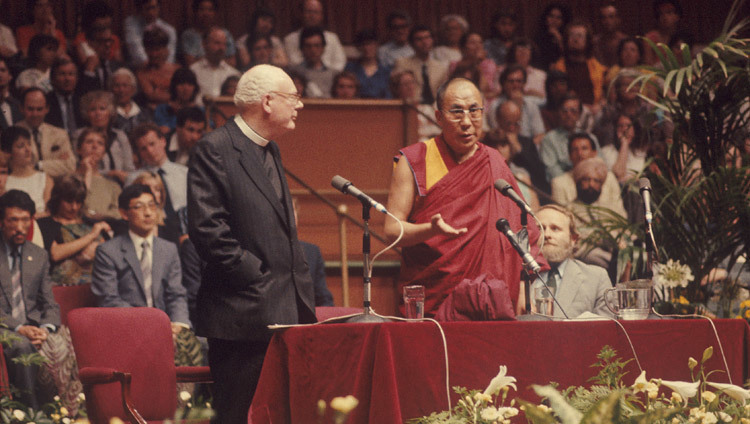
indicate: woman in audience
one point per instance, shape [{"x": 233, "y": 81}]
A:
[
  {"x": 345, "y": 86},
  {"x": 157, "y": 187},
  {"x": 229, "y": 86},
  {"x": 261, "y": 25},
  {"x": 156, "y": 74},
  {"x": 42, "y": 52},
  {"x": 452, "y": 28},
  {"x": 474, "y": 60},
  {"x": 16, "y": 142},
  {"x": 98, "y": 108},
  {"x": 549, "y": 36},
  {"x": 260, "y": 50},
  {"x": 70, "y": 241},
  {"x": 129, "y": 114},
  {"x": 627, "y": 155},
  {"x": 371, "y": 74},
  {"x": 521, "y": 52},
  {"x": 43, "y": 23},
  {"x": 404, "y": 87},
  {"x": 629, "y": 55},
  {"x": 101, "y": 192},
  {"x": 183, "y": 89}
]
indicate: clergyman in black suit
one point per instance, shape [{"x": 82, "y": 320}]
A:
[{"x": 241, "y": 221}]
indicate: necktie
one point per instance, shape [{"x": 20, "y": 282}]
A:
[
  {"x": 146, "y": 271},
  {"x": 553, "y": 277},
  {"x": 38, "y": 143},
  {"x": 19, "y": 306},
  {"x": 270, "y": 166},
  {"x": 168, "y": 208},
  {"x": 427, "y": 97},
  {"x": 70, "y": 115}
]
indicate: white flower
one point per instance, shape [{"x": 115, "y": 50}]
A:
[
  {"x": 708, "y": 396},
  {"x": 500, "y": 381},
  {"x": 344, "y": 404},
  {"x": 646, "y": 386},
  {"x": 735, "y": 392},
  {"x": 507, "y": 411},
  {"x": 490, "y": 413},
  {"x": 725, "y": 417},
  {"x": 672, "y": 274},
  {"x": 184, "y": 396},
  {"x": 56, "y": 398},
  {"x": 18, "y": 414},
  {"x": 482, "y": 397},
  {"x": 66, "y": 420},
  {"x": 683, "y": 389},
  {"x": 81, "y": 397}
]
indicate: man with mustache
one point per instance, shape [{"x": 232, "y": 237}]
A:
[{"x": 578, "y": 287}]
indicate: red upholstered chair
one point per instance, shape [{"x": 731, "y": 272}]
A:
[
  {"x": 73, "y": 297},
  {"x": 126, "y": 363}
]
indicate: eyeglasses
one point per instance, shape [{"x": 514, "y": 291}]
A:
[
  {"x": 293, "y": 98},
  {"x": 457, "y": 115},
  {"x": 140, "y": 207}
]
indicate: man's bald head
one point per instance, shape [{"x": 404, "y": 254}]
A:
[
  {"x": 452, "y": 86},
  {"x": 257, "y": 82},
  {"x": 508, "y": 117}
]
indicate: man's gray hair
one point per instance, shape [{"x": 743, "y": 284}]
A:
[
  {"x": 256, "y": 83},
  {"x": 123, "y": 72}
]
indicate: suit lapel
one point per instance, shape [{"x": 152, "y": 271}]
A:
[
  {"x": 128, "y": 252},
  {"x": 254, "y": 169},
  {"x": 156, "y": 270},
  {"x": 5, "y": 283},
  {"x": 571, "y": 283}
]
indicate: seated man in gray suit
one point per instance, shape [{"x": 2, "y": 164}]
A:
[
  {"x": 27, "y": 306},
  {"x": 138, "y": 268},
  {"x": 577, "y": 286}
]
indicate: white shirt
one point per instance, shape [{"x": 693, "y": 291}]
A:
[
  {"x": 147, "y": 282},
  {"x": 134, "y": 110},
  {"x": 211, "y": 78},
  {"x": 333, "y": 53}
]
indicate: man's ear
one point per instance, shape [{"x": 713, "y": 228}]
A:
[
  {"x": 123, "y": 214},
  {"x": 266, "y": 103}
]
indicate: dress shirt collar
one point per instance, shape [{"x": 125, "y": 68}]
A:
[
  {"x": 138, "y": 240},
  {"x": 561, "y": 269},
  {"x": 134, "y": 110},
  {"x": 249, "y": 132}
]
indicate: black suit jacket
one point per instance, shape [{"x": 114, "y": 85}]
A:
[
  {"x": 314, "y": 258},
  {"x": 54, "y": 116},
  {"x": 15, "y": 112},
  {"x": 529, "y": 159},
  {"x": 255, "y": 272}
]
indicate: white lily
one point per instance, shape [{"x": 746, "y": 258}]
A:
[
  {"x": 344, "y": 404},
  {"x": 500, "y": 381},
  {"x": 735, "y": 392},
  {"x": 684, "y": 389},
  {"x": 646, "y": 386}
]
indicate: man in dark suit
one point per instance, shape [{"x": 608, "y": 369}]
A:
[
  {"x": 10, "y": 108},
  {"x": 64, "y": 100},
  {"x": 241, "y": 221},
  {"x": 138, "y": 268},
  {"x": 27, "y": 306},
  {"x": 97, "y": 69},
  {"x": 578, "y": 287}
]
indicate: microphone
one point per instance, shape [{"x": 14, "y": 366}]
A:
[
  {"x": 645, "y": 189},
  {"x": 345, "y": 186},
  {"x": 503, "y": 226},
  {"x": 507, "y": 190}
]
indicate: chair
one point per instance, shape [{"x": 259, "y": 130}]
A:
[
  {"x": 126, "y": 363},
  {"x": 73, "y": 297}
]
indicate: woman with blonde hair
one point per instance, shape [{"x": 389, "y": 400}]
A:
[{"x": 154, "y": 182}]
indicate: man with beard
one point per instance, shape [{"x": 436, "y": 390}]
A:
[
  {"x": 585, "y": 73},
  {"x": 578, "y": 287}
]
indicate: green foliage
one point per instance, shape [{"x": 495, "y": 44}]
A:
[
  {"x": 30, "y": 359},
  {"x": 610, "y": 368}
]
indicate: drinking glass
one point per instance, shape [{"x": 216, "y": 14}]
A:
[{"x": 414, "y": 302}]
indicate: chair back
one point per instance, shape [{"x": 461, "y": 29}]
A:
[
  {"x": 73, "y": 297},
  {"x": 133, "y": 340}
]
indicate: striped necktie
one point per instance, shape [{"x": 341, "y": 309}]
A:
[
  {"x": 146, "y": 265},
  {"x": 19, "y": 306}
]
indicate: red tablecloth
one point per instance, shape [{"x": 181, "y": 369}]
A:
[{"x": 397, "y": 370}]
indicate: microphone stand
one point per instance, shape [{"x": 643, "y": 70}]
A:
[
  {"x": 366, "y": 316},
  {"x": 523, "y": 240}
]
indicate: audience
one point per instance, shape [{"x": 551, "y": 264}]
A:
[
  {"x": 319, "y": 77},
  {"x": 668, "y": 14},
  {"x": 512, "y": 81},
  {"x": 136, "y": 26},
  {"x": 191, "y": 124},
  {"x": 183, "y": 89},
  {"x": 626, "y": 156},
  {"x": 130, "y": 114},
  {"x": 10, "y": 108},
  {"x": 101, "y": 192},
  {"x": 607, "y": 42},
  {"x": 333, "y": 55},
  {"x": 474, "y": 59},
  {"x": 155, "y": 74},
  {"x": 452, "y": 28},
  {"x": 345, "y": 86},
  {"x": 98, "y": 67},
  {"x": 371, "y": 74},
  {"x": 397, "y": 46},
  {"x": 211, "y": 70},
  {"x": 191, "y": 41},
  {"x": 16, "y": 142},
  {"x": 43, "y": 22},
  {"x": 96, "y": 14},
  {"x": 549, "y": 38},
  {"x": 8, "y": 46},
  {"x": 404, "y": 87},
  {"x": 585, "y": 73},
  {"x": 64, "y": 99},
  {"x": 42, "y": 53},
  {"x": 429, "y": 73},
  {"x": 520, "y": 53},
  {"x": 502, "y": 32},
  {"x": 259, "y": 49},
  {"x": 261, "y": 25}
]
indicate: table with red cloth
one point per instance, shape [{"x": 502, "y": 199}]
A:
[{"x": 397, "y": 370}]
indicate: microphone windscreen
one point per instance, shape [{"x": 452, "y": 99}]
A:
[
  {"x": 338, "y": 182},
  {"x": 644, "y": 184},
  {"x": 502, "y": 223},
  {"x": 501, "y": 184}
]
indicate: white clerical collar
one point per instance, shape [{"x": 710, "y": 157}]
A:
[{"x": 249, "y": 132}]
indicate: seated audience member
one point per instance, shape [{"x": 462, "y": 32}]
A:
[
  {"x": 520, "y": 53},
  {"x": 261, "y": 25},
  {"x": 319, "y": 76},
  {"x": 577, "y": 286},
  {"x": 626, "y": 156},
  {"x": 452, "y": 28},
  {"x": 96, "y": 14},
  {"x": 554, "y": 147},
  {"x": 99, "y": 108},
  {"x": 404, "y": 87},
  {"x": 211, "y": 70},
  {"x": 50, "y": 149},
  {"x": 16, "y": 143},
  {"x": 549, "y": 34},
  {"x": 372, "y": 75},
  {"x": 97, "y": 68},
  {"x": 30, "y": 313},
  {"x": 333, "y": 55},
  {"x": 191, "y": 124},
  {"x": 183, "y": 89},
  {"x": 606, "y": 43},
  {"x": 564, "y": 190},
  {"x": 151, "y": 148},
  {"x": 314, "y": 259},
  {"x": 129, "y": 114},
  {"x": 259, "y": 49},
  {"x": 345, "y": 86},
  {"x": 136, "y": 26},
  {"x": 629, "y": 57},
  {"x": 502, "y": 31},
  {"x": 585, "y": 73},
  {"x": 70, "y": 241},
  {"x": 229, "y": 86},
  {"x": 43, "y": 22},
  {"x": 668, "y": 14},
  {"x": 191, "y": 41},
  {"x": 300, "y": 82},
  {"x": 10, "y": 108},
  {"x": 155, "y": 183},
  {"x": 512, "y": 81},
  {"x": 101, "y": 193},
  {"x": 397, "y": 46},
  {"x": 156, "y": 72},
  {"x": 64, "y": 99},
  {"x": 474, "y": 57},
  {"x": 42, "y": 53},
  {"x": 429, "y": 73},
  {"x": 156, "y": 280},
  {"x": 556, "y": 88},
  {"x": 8, "y": 46}
]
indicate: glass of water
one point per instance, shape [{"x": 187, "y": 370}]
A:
[
  {"x": 543, "y": 300},
  {"x": 414, "y": 302}
]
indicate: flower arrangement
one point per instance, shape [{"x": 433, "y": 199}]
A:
[{"x": 672, "y": 274}]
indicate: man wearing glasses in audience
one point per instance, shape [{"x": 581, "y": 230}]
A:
[{"x": 442, "y": 192}]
